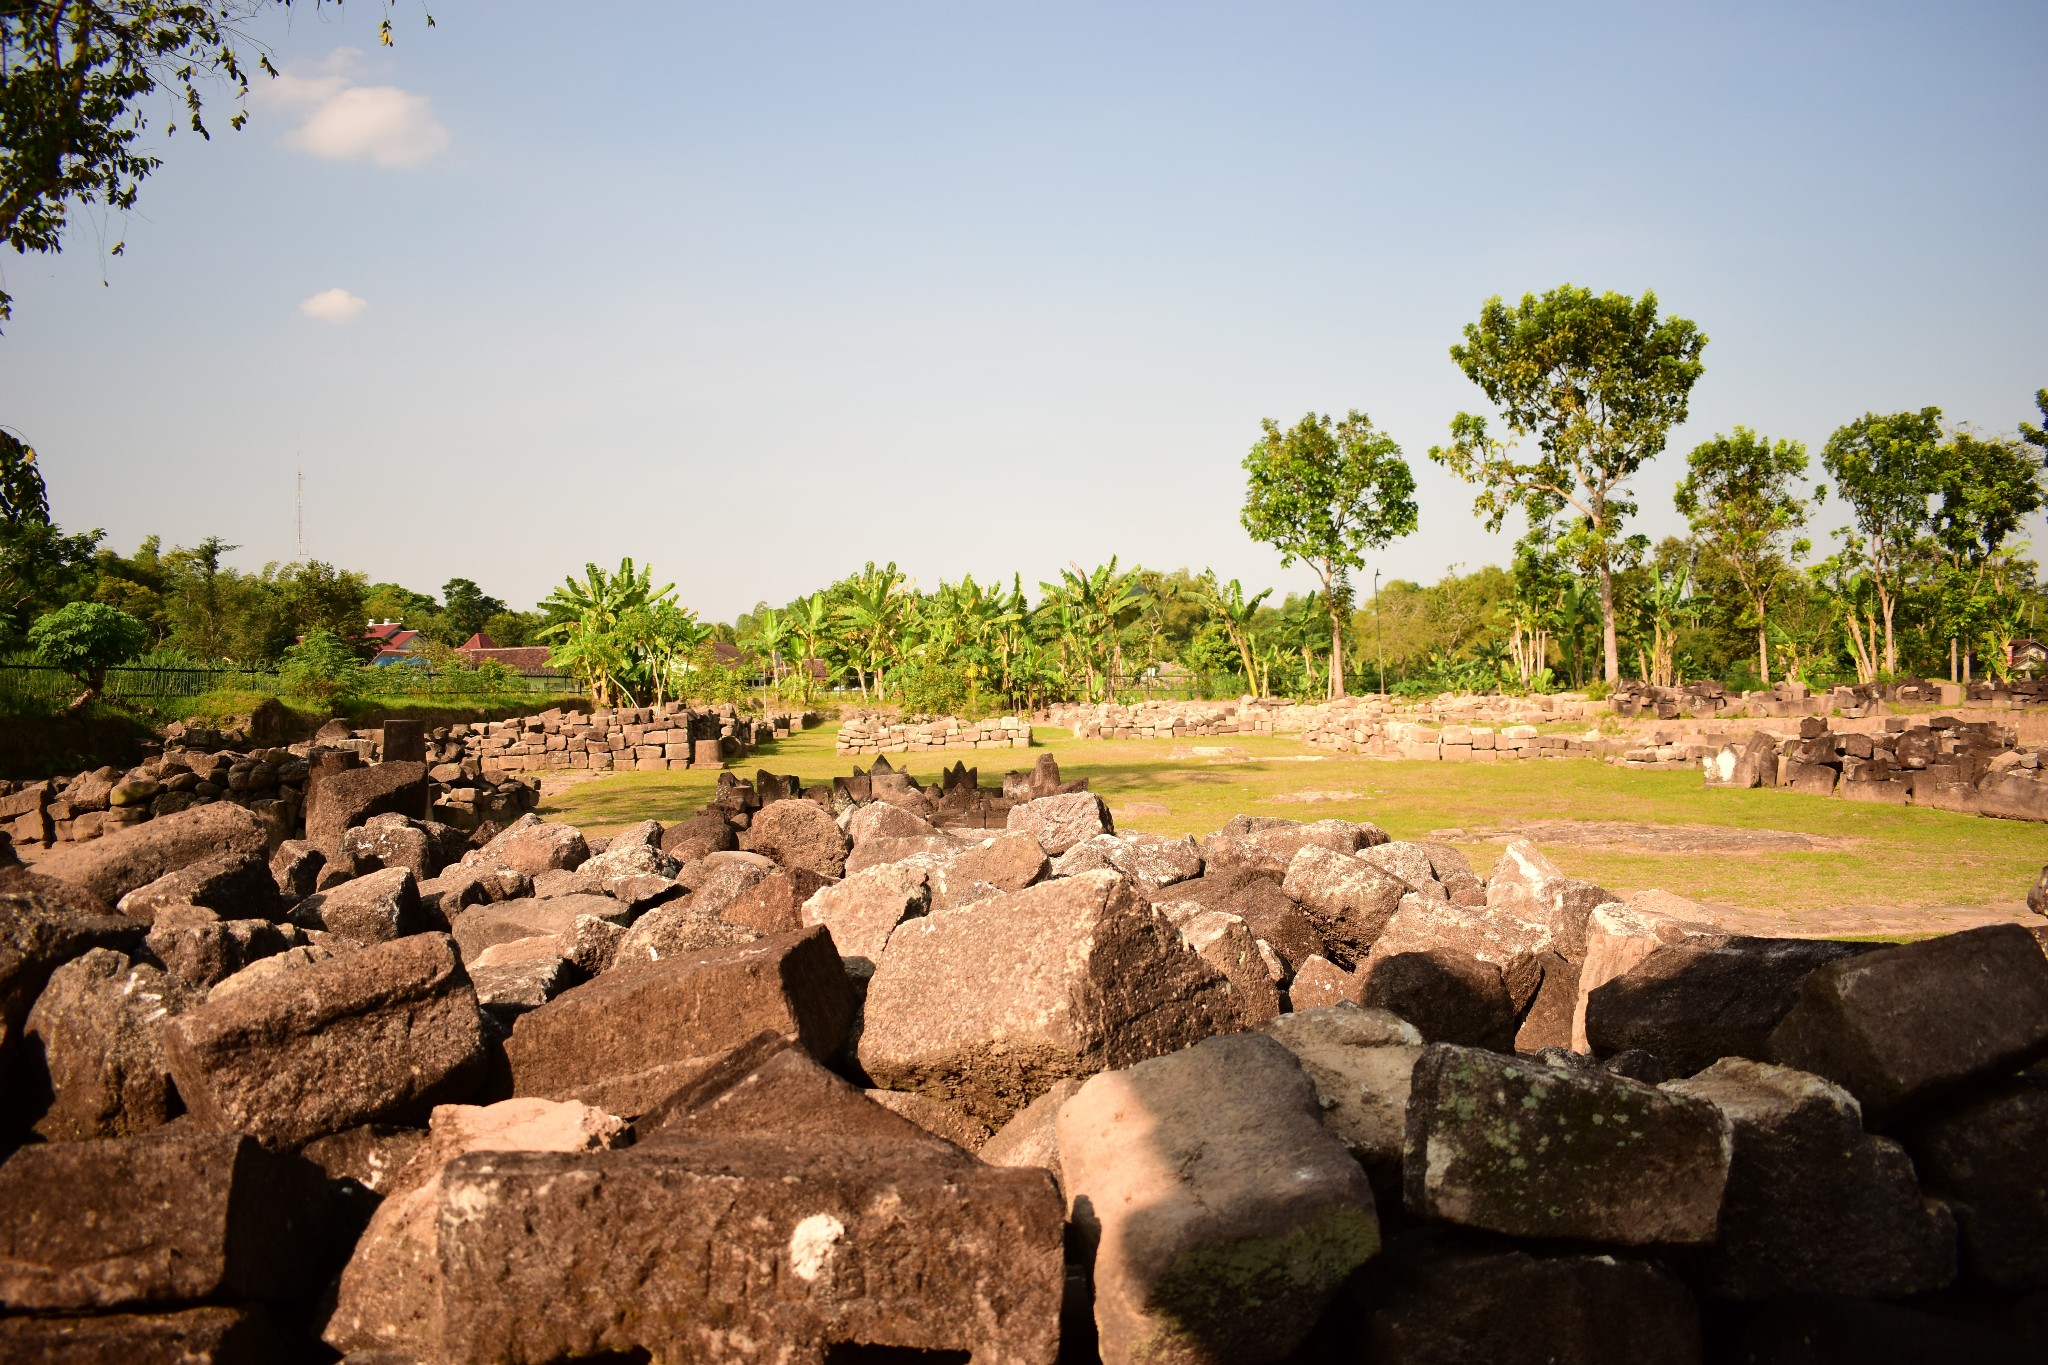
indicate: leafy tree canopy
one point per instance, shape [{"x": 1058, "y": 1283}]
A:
[
  {"x": 77, "y": 78},
  {"x": 1598, "y": 381},
  {"x": 85, "y": 639}
]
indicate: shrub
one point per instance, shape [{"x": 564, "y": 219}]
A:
[
  {"x": 322, "y": 667},
  {"x": 85, "y": 639}
]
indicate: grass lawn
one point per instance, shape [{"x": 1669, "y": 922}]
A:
[{"x": 1892, "y": 857}]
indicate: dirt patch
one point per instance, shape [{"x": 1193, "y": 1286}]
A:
[
  {"x": 1137, "y": 810},
  {"x": 1621, "y": 837},
  {"x": 1311, "y": 798}
]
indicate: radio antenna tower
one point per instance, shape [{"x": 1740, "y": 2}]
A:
[{"x": 299, "y": 511}]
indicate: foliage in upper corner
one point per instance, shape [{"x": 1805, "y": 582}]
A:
[
  {"x": 75, "y": 81},
  {"x": 85, "y": 639}
]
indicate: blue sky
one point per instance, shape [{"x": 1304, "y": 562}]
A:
[{"x": 760, "y": 292}]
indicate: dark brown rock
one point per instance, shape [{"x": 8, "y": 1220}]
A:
[
  {"x": 678, "y": 930},
  {"x": 1984, "y": 1158},
  {"x": 390, "y": 1297},
  {"x": 1220, "y": 1213},
  {"x": 511, "y": 978},
  {"x": 769, "y": 1087},
  {"x": 1150, "y": 861},
  {"x": 386, "y": 841},
  {"x": 200, "y": 949},
  {"x": 1361, "y": 1062},
  {"x": 381, "y": 1034},
  {"x": 1060, "y": 822},
  {"x": 1694, "y": 1003},
  {"x": 1814, "y": 1204},
  {"x": 638, "y": 1033},
  {"x": 342, "y": 800},
  {"x": 1449, "y": 996},
  {"x": 533, "y": 846},
  {"x": 691, "y": 839},
  {"x": 39, "y": 934},
  {"x": 1512, "y": 1145},
  {"x": 1903, "y": 1024},
  {"x": 1830, "y": 1330},
  {"x": 180, "y": 1336},
  {"x": 129, "y": 1222},
  {"x": 377, "y": 908},
  {"x": 114, "y": 864},
  {"x": 1267, "y": 844},
  {"x": 481, "y": 926},
  {"x": 798, "y": 833},
  {"x": 942, "y": 1121},
  {"x": 775, "y": 904},
  {"x": 1320, "y": 983},
  {"x": 1009, "y": 861},
  {"x": 572, "y": 1256},
  {"x": 94, "y": 1040},
  {"x": 295, "y": 865},
  {"x": 234, "y": 885},
  {"x": 1257, "y": 900},
  {"x": 986, "y": 1006},
  {"x": 864, "y": 908},
  {"x": 1433, "y": 1298},
  {"x": 1350, "y": 899}
]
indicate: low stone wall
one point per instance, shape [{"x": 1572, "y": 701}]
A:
[
  {"x": 472, "y": 768},
  {"x": 880, "y": 735},
  {"x": 1971, "y": 767},
  {"x": 1346, "y": 724}
]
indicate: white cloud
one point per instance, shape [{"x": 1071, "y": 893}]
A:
[
  {"x": 347, "y": 122},
  {"x": 333, "y": 305}
]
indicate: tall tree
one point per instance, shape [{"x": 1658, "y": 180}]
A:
[
  {"x": 1886, "y": 469},
  {"x": 1985, "y": 489},
  {"x": 1327, "y": 493},
  {"x": 1742, "y": 495},
  {"x": 466, "y": 608},
  {"x": 1598, "y": 381}
]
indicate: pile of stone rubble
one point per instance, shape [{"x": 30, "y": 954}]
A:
[
  {"x": 1975, "y": 767},
  {"x": 845, "y": 1074}
]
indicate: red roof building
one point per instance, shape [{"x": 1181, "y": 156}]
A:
[{"x": 519, "y": 658}]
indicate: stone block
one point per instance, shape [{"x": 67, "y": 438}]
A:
[
  {"x": 555, "y": 1256},
  {"x": 638, "y": 1032},
  {"x": 380, "y": 1034},
  {"x": 1221, "y": 1214},
  {"x": 1900, "y": 1025},
  {"x": 1513, "y": 1145},
  {"x": 129, "y": 1222},
  {"x": 986, "y": 1006}
]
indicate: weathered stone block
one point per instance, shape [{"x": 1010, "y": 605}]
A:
[
  {"x": 381, "y": 1034},
  {"x": 635, "y": 1034},
  {"x": 987, "y": 1006},
  {"x": 1515, "y": 1146},
  {"x": 1221, "y": 1214},
  {"x": 1901, "y": 1024}
]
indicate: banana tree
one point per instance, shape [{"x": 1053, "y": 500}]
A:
[
  {"x": 601, "y": 626},
  {"x": 872, "y": 609},
  {"x": 1236, "y": 613}
]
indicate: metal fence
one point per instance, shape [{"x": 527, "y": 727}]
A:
[{"x": 31, "y": 684}]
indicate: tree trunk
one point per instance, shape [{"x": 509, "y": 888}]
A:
[
  {"x": 1610, "y": 647},
  {"x": 1336, "y": 653},
  {"x": 1763, "y": 655},
  {"x": 1891, "y": 653}
]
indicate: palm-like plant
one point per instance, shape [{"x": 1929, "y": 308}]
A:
[
  {"x": 603, "y": 625},
  {"x": 810, "y": 626},
  {"x": 873, "y": 610},
  {"x": 1236, "y": 612}
]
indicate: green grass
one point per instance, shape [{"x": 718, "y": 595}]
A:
[{"x": 1903, "y": 858}]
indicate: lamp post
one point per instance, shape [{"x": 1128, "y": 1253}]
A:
[{"x": 1377, "y": 647}]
